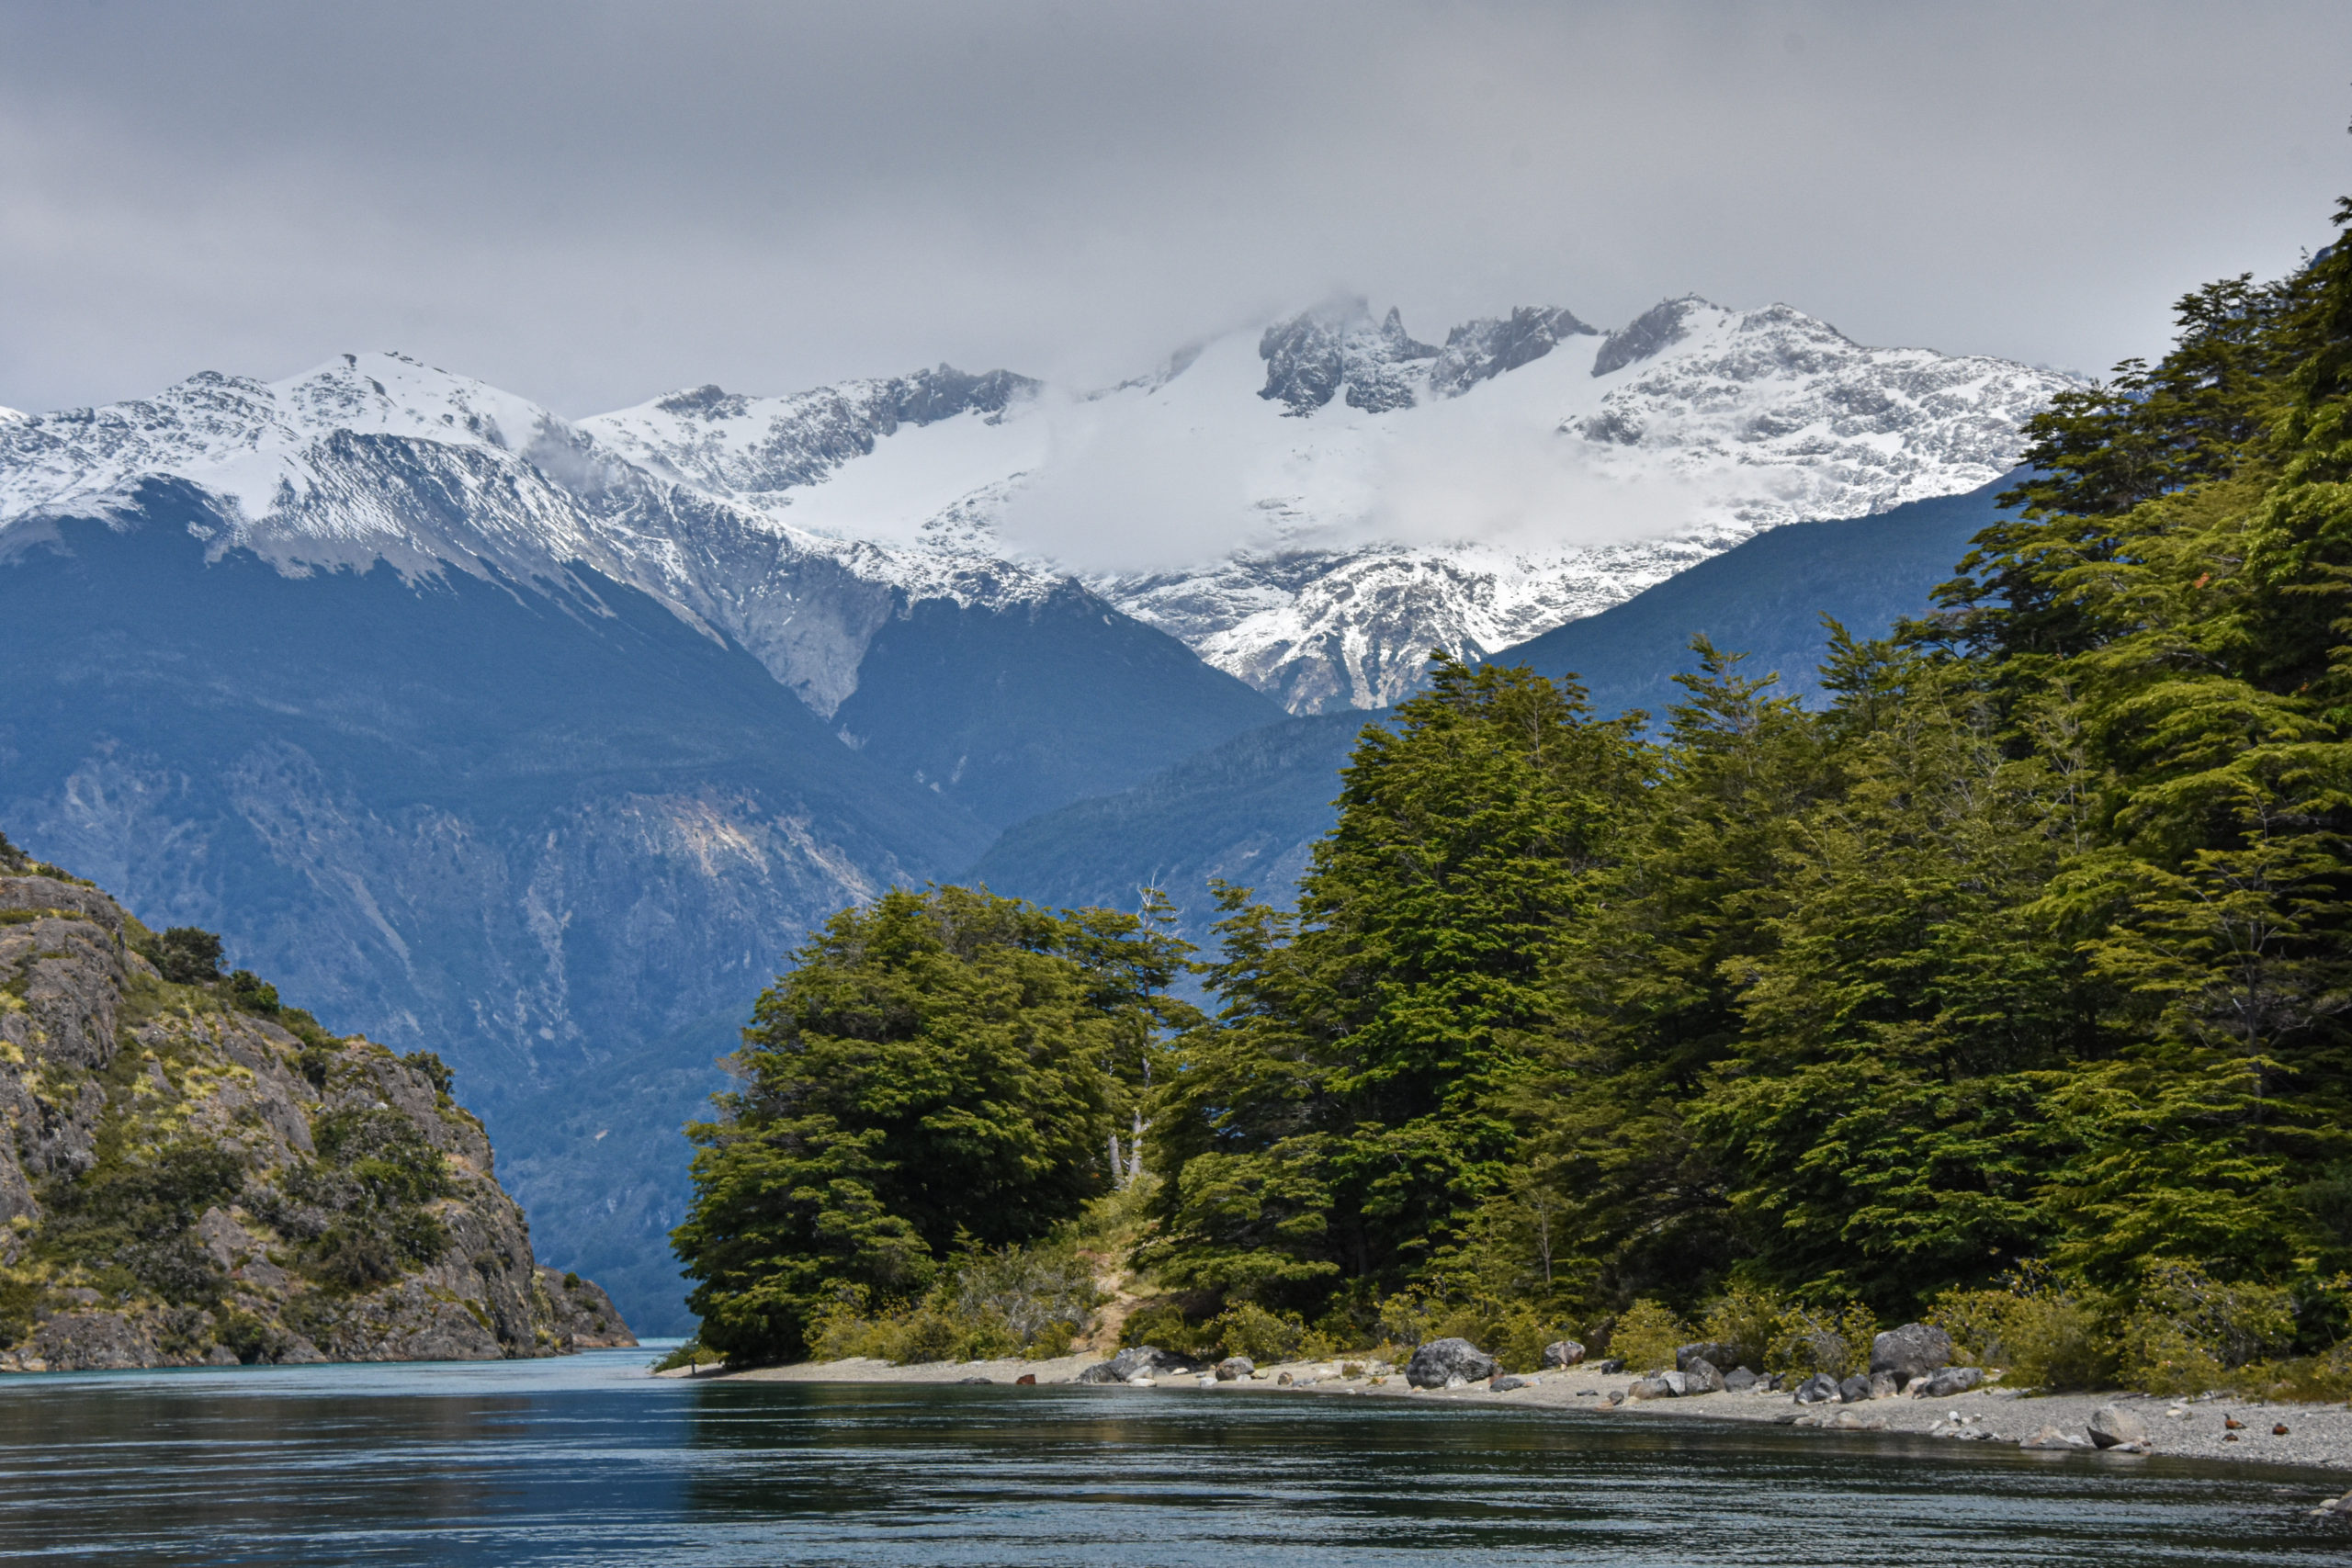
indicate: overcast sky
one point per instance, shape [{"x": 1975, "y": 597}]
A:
[{"x": 593, "y": 203}]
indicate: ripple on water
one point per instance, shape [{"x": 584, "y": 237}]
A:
[{"x": 585, "y": 1460}]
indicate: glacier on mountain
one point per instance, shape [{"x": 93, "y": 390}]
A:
[{"x": 1312, "y": 506}]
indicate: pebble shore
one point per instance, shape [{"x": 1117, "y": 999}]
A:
[{"x": 2316, "y": 1435}]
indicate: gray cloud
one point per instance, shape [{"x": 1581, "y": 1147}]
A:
[{"x": 590, "y": 203}]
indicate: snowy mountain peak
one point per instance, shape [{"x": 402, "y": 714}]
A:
[
  {"x": 761, "y": 446},
  {"x": 1311, "y": 356},
  {"x": 1311, "y": 507},
  {"x": 1480, "y": 350},
  {"x": 1654, "y": 331}
]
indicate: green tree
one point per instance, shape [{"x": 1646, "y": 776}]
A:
[
  {"x": 1339, "y": 1120},
  {"x": 936, "y": 1069}
]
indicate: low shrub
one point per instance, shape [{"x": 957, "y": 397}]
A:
[
  {"x": 2192, "y": 1332},
  {"x": 1647, "y": 1335},
  {"x": 1829, "y": 1337},
  {"x": 1013, "y": 1301},
  {"x": 2043, "y": 1334}
]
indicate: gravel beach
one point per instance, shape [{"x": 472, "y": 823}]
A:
[{"x": 2318, "y": 1435}]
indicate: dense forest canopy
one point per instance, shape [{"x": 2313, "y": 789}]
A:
[{"x": 2016, "y": 972}]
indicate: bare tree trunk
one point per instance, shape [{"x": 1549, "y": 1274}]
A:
[
  {"x": 1117, "y": 1180},
  {"x": 1134, "y": 1152}
]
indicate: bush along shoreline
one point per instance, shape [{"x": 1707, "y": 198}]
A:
[
  {"x": 197, "y": 1174},
  {"x": 2008, "y": 994}
]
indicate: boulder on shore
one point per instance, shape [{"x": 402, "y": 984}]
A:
[
  {"x": 1818, "y": 1389},
  {"x": 1658, "y": 1385},
  {"x": 1713, "y": 1352},
  {"x": 1440, "y": 1361},
  {"x": 1947, "y": 1382},
  {"x": 1562, "y": 1353},
  {"x": 1235, "y": 1369},
  {"x": 2112, "y": 1426},
  {"x": 1739, "y": 1379},
  {"x": 1700, "y": 1377},
  {"x": 1138, "y": 1361},
  {"x": 1855, "y": 1389},
  {"x": 1911, "y": 1352}
]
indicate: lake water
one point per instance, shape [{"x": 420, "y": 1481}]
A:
[{"x": 586, "y": 1460}]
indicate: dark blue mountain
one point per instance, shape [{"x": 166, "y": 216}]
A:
[
  {"x": 1004, "y": 711},
  {"x": 1248, "y": 809},
  {"x": 549, "y": 829},
  {"x": 1766, "y": 599}
]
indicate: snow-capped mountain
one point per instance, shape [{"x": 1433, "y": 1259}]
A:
[
  {"x": 1315, "y": 506},
  {"x": 377, "y": 456},
  {"x": 1311, "y": 507}
]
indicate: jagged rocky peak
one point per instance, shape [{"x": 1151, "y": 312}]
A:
[
  {"x": 1311, "y": 356},
  {"x": 737, "y": 445},
  {"x": 1649, "y": 335},
  {"x": 1481, "y": 350}
]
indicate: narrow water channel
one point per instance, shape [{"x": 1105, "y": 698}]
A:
[{"x": 585, "y": 1460}]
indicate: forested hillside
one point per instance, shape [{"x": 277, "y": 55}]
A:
[{"x": 2010, "y": 988}]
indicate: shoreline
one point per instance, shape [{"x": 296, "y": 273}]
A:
[{"x": 2318, "y": 1437}]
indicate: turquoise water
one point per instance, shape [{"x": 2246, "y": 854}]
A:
[{"x": 585, "y": 1460}]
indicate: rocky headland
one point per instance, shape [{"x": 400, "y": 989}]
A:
[{"x": 195, "y": 1174}]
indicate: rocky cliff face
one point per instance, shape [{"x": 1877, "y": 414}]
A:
[{"x": 195, "y": 1174}]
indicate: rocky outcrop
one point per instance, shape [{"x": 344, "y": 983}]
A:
[
  {"x": 193, "y": 1175},
  {"x": 1562, "y": 1353}
]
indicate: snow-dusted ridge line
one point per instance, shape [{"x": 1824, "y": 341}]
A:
[{"x": 1311, "y": 506}]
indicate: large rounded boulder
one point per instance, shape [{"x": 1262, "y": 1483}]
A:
[
  {"x": 1913, "y": 1350},
  {"x": 1442, "y": 1363}
]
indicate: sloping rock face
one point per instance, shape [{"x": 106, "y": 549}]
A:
[{"x": 193, "y": 1175}]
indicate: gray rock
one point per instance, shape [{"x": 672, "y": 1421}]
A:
[
  {"x": 2112, "y": 1426},
  {"x": 1949, "y": 1382},
  {"x": 1709, "y": 1350},
  {"x": 1885, "y": 1385},
  {"x": 1440, "y": 1360},
  {"x": 1700, "y": 1377},
  {"x": 1656, "y": 1387},
  {"x": 1504, "y": 1386},
  {"x": 1739, "y": 1379},
  {"x": 94, "y": 1341},
  {"x": 1855, "y": 1389},
  {"x": 1562, "y": 1353},
  {"x": 1818, "y": 1389},
  {"x": 1146, "y": 1360},
  {"x": 1233, "y": 1368},
  {"x": 1609, "y": 1366},
  {"x": 2051, "y": 1437},
  {"x": 1911, "y": 1352}
]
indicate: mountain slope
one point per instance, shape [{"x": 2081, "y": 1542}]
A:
[
  {"x": 1249, "y": 809},
  {"x": 1766, "y": 600},
  {"x": 1005, "y": 711},
  {"x": 537, "y": 831}
]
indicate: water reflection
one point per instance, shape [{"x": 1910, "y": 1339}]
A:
[{"x": 584, "y": 1461}]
